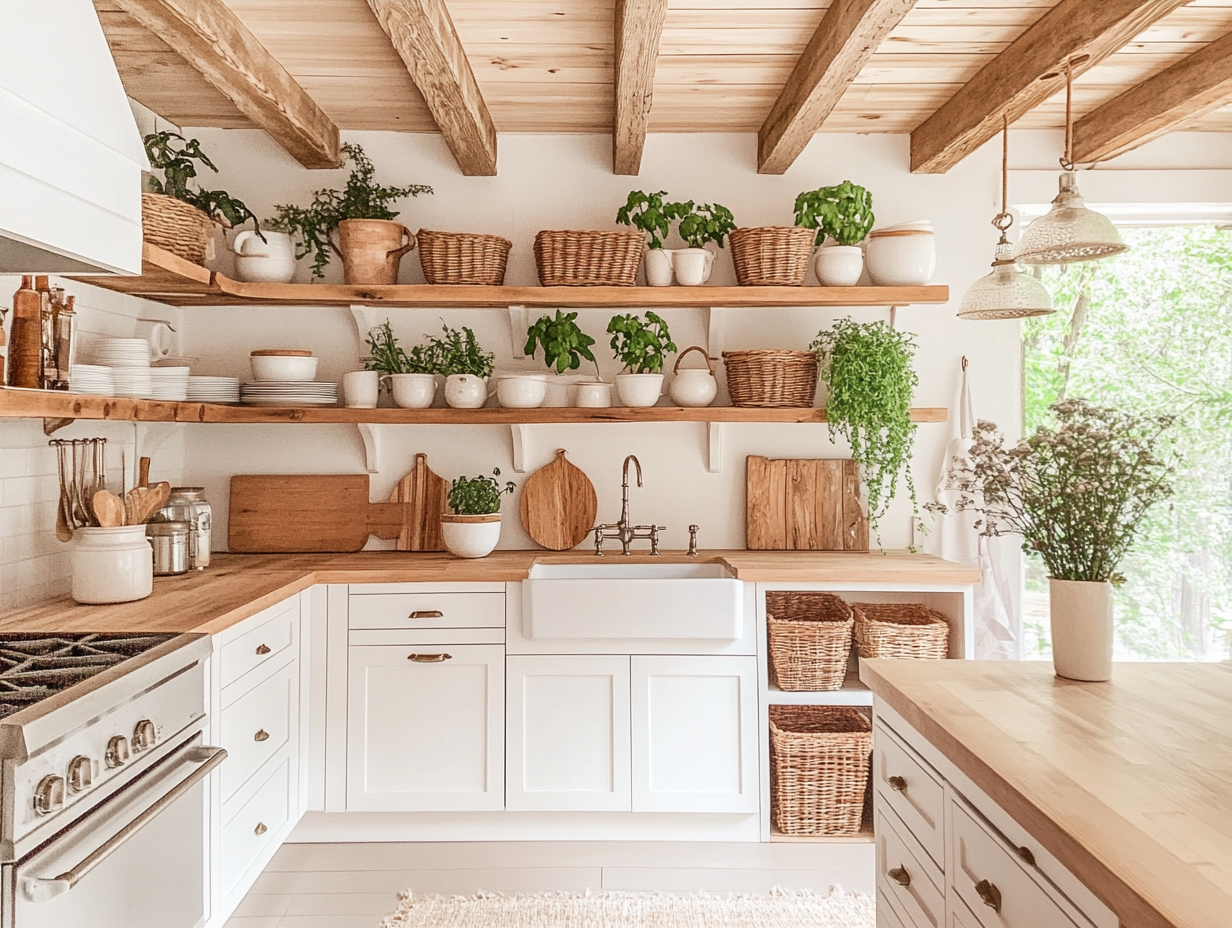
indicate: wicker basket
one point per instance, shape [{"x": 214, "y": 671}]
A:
[
  {"x": 818, "y": 769},
  {"x": 900, "y": 631},
  {"x": 172, "y": 224},
  {"x": 588, "y": 259},
  {"x": 463, "y": 257},
  {"x": 771, "y": 378},
  {"x": 771, "y": 256},
  {"x": 810, "y": 640}
]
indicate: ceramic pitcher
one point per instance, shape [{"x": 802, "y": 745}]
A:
[
  {"x": 692, "y": 266},
  {"x": 271, "y": 261}
]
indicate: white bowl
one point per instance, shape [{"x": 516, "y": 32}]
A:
[
  {"x": 901, "y": 257},
  {"x": 521, "y": 391},
  {"x": 283, "y": 367}
]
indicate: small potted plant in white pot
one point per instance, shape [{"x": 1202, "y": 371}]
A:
[
  {"x": 641, "y": 348},
  {"x": 411, "y": 374},
  {"x": 472, "y": 527},
  {"x": 708, "y": 222},
  {"x": 466, "y": 367},
  {"x": 648, "y": 213},
  {"x": 844, "y": 213},
  {"x": 565, "y": 346}
]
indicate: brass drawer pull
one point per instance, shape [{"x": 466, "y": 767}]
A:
[
  {"x": 1025, "y": 853},
  {"x": 260, "y": 829},
  {"x": 427, "y": 614},
  {"x": 263, "y": 649},
  {"x": 261, "y": 735},
  {"x": 898, "y": 784},
  {"x": 900, "y": 876},
  {"x": 429, "y": 658},
  {"x": 990, "y": 894}
]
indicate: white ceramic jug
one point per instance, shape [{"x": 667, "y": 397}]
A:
[
  {"x": 271, "y": 261},
  {"x": 694, "y": 387},
  {"x": 658, "y": 265},
  {"x": 692, "y": 266}
]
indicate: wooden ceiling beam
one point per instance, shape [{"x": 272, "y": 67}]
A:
[
  {"x": 1012, "y": 83},
  {"x": 213, "y": 41},
  {"x": 1191, "y": 87},
  {"x": 848, "y": 35},
  {"x": 639, "y": 27},
  {"x": 424, "y": 37}
]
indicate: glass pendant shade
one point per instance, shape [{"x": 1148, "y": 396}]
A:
[
  {"x": 1069, "y": 232},
  {"x": 1007, "y": 293}
]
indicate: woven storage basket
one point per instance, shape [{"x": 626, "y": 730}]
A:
[
  {"x": 771, "y": 256},
  {"x": 176, "y": 226},
  {"x": 762, "y": 377},
  {"x": 900, "y": 631},
  {"x": 588, "y": 259},
  {"x": 818, "y": 769},
  {"x": 810, "y": 640},
  {"x": 463, "y": 257}
]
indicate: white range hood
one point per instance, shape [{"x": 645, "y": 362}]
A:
[{"x": 70, "y": 152}]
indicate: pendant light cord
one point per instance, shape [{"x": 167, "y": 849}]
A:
[
  {"x": 1003, "y": 220},
  {"x": 1067, "y": 163}
]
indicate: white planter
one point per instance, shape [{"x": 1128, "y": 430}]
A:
[
  {"x": 1081, "y": 629},
  {"x": 271, "y": 261},
  {"x": 465, "y": 391},
  {"x": 362, "y": 389},
  {"x": 902, "y": 256},
  {"x": 112, "y": 565},
  {"x": 594, "y": 394},
  {"x": 658, "y": 265},
  {"x": 839, "y": 265},
  {"x": 639, "y": 389},
  {"x": 471, "y": 536},
  {"x": 521, "y": 391},
  {"x": 413, "y": 391},
  {"x": 692, "y": 265}
]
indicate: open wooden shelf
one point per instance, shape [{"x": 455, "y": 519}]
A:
[
  {"x": 166, "y": 278},
  {"x": 851, "y": 693}
]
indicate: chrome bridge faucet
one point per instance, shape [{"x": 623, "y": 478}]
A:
[{"x": 622, "y": 530}]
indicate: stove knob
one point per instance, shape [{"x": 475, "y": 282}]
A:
[
  {"x": 49, "y": 795},
  {"x": 117, "y": 751},
  {"x": 143, "y": 736},
  {"x": 80, "y": 773}
]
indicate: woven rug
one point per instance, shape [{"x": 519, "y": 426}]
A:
[{"x": 777, "y": 909}]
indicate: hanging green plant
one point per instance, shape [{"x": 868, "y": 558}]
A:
[
  {"x": 176, "y": 163},
  {"x": 867, "y": 369}
]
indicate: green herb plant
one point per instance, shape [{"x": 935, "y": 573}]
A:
[
  {"x": 648, "y": 213},
  {"x": 867, "y": 369},
  {"x": 174, "y": 155},
  {"x": 844, "y": 212},
  {"x": 388, "y": 357},
  {"x": 640, "y": 346},
  {"x": 478, "y": 496},
  {"x": 708, "y": 222},
  {"x": 564, "y": 343},
  {"x": 362, "y": 198},
  {"x": 459, "y": 353}
]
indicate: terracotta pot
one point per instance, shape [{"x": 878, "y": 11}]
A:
[
  {"x": 1081, "y": 629},
  {"x": 371, "y": 250}
]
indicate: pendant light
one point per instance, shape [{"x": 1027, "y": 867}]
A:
[
  {"x": 1069, "y": 232},
  {"x": 1008, "y": 292}
]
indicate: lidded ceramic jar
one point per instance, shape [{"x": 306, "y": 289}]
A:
[
  {"x": 112, "y": 565},
  {"x": 695, "y": 386},
  {"x": 904, "y": 255}
]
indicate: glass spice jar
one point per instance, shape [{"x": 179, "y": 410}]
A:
[{"x": 188, "y": 504}]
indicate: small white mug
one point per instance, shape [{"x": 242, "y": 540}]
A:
[
  {"x": 594, "y": 395},
  {"x": 360, "y": 389}
]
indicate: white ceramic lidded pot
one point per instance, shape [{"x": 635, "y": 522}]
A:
[
  {"x": 904, "y": 255},
  {"x": 269, "y": 262},
  {"x": 465, "y": 391},
  {"x": 112, "y": 565},
  {"x": 593, "y": 394},
  {"x": 695, "y": 386}
]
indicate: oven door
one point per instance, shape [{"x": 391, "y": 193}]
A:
[{"x": 137, "y": 861}]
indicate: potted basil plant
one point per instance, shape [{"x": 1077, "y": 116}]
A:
[
  {"x": 843, "y": 213},
  {"x": 565, "y": 346},
  {"x": 411, "y": 374},
  {"x": 465, "y": 366},
  {"x": 472, "y": 526},
  {"x": 641, "y": 348},
  {"x": 648, "y": 213},
  {"x": 708, "y": 222}
]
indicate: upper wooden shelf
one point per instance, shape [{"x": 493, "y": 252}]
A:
[{"x": 166, "y": 278}]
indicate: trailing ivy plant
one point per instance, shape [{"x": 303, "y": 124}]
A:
[
  {"x": 388, "y": 357},
  {"x": 175, "y": 155},
  {"x": 867, "y": 368},
  {"x": 478, "y": 496},
  {"x": 361, "y": 198},
  {"x": 460, "y": 353},
  {"x": 843, "y": 212},
  {"x": 648, "y": 213},
  {"x": 564, "y": 343},
  {"x": 709, "y": 222},
  {"x": 640, "y": 346}
]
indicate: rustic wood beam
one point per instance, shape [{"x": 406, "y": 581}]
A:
[
  {"x": 1193, "y": 86},
  {"x": 424, "y": 37},
  {"x": 213, "y": 41},
  {"x": 639, "y": 26},
  {"x": 1013, "y": 82},
  {"x": 849, "y": 33}
]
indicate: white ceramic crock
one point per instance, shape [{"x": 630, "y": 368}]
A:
[
  {"x": 639, "y": 389},
  {"x": 521, "y": 391},
  {"x": 692, "y": 266},
  {"x": 413, "y": 391},
  {"x": 561, "y": 389},
  {"x": 839, "y": 265},
  {"x": 693, "y": 387},
  {"x": 470, "y": 536},
  {"x": 271, "y": 261},
  {"x": 658, "y": 266},
  {"x": 362, "y": 389},
  {"x": 112, "y": 565},
  {"x": 902, "y": 256},
  {"x": 1081, "y": 629},
  {"x": 465, "y": 391},
  {"x": 594, "y": 394}
]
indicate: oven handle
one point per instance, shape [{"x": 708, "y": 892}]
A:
[{"x": 42, "y": 889}]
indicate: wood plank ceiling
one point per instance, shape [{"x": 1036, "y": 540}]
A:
[{"x": 722, "y": 66}]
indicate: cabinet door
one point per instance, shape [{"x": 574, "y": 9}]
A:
[
  {"x": 425, "y": 735},
  {"x": 694, "y": 734},
  {"x": 568, "y": 733}
]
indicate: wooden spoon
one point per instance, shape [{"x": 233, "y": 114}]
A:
[
  {"x": 143, "y": 502},
  {"x": 109, "y": 509}
]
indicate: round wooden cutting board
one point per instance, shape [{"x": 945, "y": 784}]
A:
[{"x": 559, "y": 505}]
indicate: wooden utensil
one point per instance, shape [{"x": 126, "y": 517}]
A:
[
  {"x": 327, "y": 513},
  {"x": 109, "y": 509},
  {"x": 558, "y": 505},
  {"x": 142, "y": 502},
  {"x": 423, "y": 494},
  {"x": 803, "y": 505},
  {"x": 64, "y": 531}
]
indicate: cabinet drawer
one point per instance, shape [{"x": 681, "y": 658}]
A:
[
  {"x": 887, "y": 915},
  {"x": 909, "y": 786},
  {"x": 255, "y": 825},
  {"x": 271, "y": 640},
  {"x": 255, "y": 727},
  {"x": 427, "y": 610},
  {"x": 907, "y": 875}
]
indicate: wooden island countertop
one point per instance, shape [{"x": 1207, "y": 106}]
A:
[{"x": 1127, "y": 783}]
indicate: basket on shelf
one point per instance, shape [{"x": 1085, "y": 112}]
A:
[
  {"x": 463, "y": 257},
  {"x": 569, "y": 258},
  {"x": 900, "y": 631},
  {"x": 819, "y": 757},
  {"x": 771, "y": 256},
  {"x": 769, "y": 377},
  {"x": 179, "y": 227},
  {"x": 810, "y": 640}
]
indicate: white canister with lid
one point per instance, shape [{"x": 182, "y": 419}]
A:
[
  {"x": 904, "y": 255},
  {"x": 112, "y": 565},
  {"x": 695, "y": 386}
]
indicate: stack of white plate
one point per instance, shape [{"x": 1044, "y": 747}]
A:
[
  {"x": 290, "y": 393},
  {"x": 213, "y": 389},
  {"x": 91, "y": 378},
  {"x": 123, "y": 352},
  {"x": 169, "y": 383},
  {"x": 132, "y": 381}
]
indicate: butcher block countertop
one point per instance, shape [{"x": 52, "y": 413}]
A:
[
  {"x": 236, "y": 586},
  {"x": 1127, "y": 783}
]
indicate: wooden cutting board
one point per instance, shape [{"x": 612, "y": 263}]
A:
[
  {"x": 558, "y": 505},
  {"x": 800, "y": 505},
  {"x": 292, "y": 514},
  {"x": 423, "y": 493}
]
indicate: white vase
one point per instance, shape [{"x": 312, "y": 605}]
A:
[
  {"x": 902, "y": 256},
  {"x": 839, "y": 265},
  {"x": 692, "y": 265},
  {"x": 111, "y": 565},
  {"x": 639, "y": 389},
  {"x": 271, "y": 261},
  {"x": 470, "y": 536},
  {"x": 413, "y": 391},
  {"x": 465, "y": 391},
  {"x": 1081, "y": 629},
  {"x": 658, "y": 265}
]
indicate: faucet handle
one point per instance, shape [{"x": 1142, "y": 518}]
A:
[
  {"x": 654, "y": 538},
  {"x": 598, "y": 541},
  {"x": 692, "y": 541}
]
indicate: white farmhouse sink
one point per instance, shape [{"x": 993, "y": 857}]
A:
[{"x": 613, "y": 600}]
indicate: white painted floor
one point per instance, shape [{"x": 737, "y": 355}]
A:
[{"x": 356, "y": 885}]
